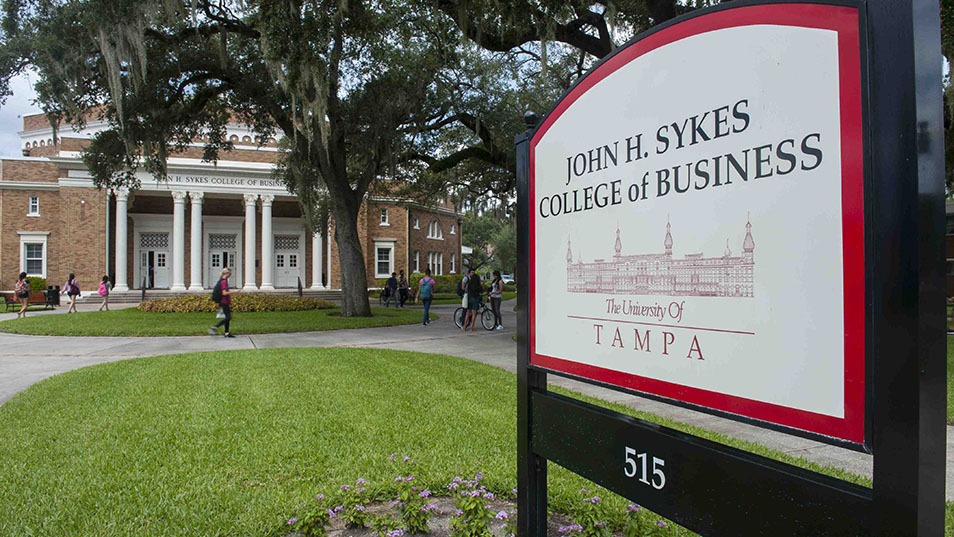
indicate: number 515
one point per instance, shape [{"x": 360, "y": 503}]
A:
[{"x": 631, "y": 468}]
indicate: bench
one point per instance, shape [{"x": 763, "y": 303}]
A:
[{"x": 47, "y": 299}]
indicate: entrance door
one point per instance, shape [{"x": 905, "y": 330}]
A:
[
  {"x": 154, "y": 259},
  {"x": 154, "y": 268},
  {"x": 286, "y": 269},
  {"x": 287, "y": 261},
  {"x": 216, "y": 260},
  {"x": 222, "y": 252}
]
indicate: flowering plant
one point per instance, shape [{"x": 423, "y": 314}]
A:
[
  {"x": 315, "y": 523},
  {"x": 355, "y": 504},
  {"x": 413, "y": 502},
  {"x": 473, "y": 515},
  {"x": 590, "y": 516}
]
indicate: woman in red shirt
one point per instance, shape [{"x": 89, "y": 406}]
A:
[{"x": 225, "y": 303}]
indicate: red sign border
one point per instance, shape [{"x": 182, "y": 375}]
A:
[{"x": 845, "y": 21}]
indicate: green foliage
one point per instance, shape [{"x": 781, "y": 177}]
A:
[
  {"x": 478, "y": 231},
  {"x": 355, "y": 512},
  {"x": 445, "y": 283},
  {"x": 590, "y": 516},
  {"x": 37, "y": 283},
  {"x": 412, "y": 503},
  {"x": 505, "y": 249},
  {"x": 241, "y": 303},
  {"x": 314, "y": 524},
  {"x": 473, "y": 515}
]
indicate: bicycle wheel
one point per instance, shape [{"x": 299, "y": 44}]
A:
[
  {"x": 459, "y": 317},
  {"x": 487, "y": 319}
]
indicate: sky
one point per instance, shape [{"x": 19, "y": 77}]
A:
[{"x": 19, "y": 104}]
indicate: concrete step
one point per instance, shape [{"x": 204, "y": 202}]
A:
[{"x": 135, "y": 296}]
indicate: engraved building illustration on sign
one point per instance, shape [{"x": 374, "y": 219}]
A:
[{"x": 662, "y": 274}]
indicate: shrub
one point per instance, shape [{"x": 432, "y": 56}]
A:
[
  {"x": 241, "y": 303},
  {"x": 37, "y": 283},
  {"x": 446, "y": 283}
]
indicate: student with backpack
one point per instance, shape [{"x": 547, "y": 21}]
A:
[
  {"x": 425, "y": 291},
  {"x": 104, "y": 292},
  {"x": 72, "y": 290},
  {"x": 222, "y": 295},
  {"x": 22, "y": 289}
]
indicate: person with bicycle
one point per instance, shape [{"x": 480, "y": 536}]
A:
[{"x": 474, "y": 292}]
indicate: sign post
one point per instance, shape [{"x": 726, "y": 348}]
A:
[{"x": 741, "y": 211}]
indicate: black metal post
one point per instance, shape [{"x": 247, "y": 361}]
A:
[
  {"x": 531, "y": 468},
  {"x": 907, "y": 237}
]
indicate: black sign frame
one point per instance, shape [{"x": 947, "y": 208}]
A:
[{"x": 905, "y": 408}]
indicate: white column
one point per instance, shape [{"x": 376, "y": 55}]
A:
[
  {"x": 195, "y": 243},
  {"x": 328, "y": 234},
  {"x": 178, "y": 241},
  {"x": 268, "y": 249},
  {"x": 250, "y": 200},
  {"x": 122, "y": 198},
  {"x": 316, "y": 247}
]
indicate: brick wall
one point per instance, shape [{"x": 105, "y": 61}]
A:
[{"x": 419, "y": 241}]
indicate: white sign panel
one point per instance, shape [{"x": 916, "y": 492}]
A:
[{"x": 698, "y": 219}]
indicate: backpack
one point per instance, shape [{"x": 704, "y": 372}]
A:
[
  {"x": 217, "y": 292},
  {"x": 102, "y": 289},
  {"x": 460, "y": 288},
  {"x": 427, "y": 290}
]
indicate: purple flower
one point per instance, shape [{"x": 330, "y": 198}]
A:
[
  {"x": 514, "y": 492},
  {"x": 425, "y": 494},
  {"x": 292, "y": 521},
  {"x": 394, "y": 503},
  {"x": 339, "y": 508},
  {"x": 359, "y": 508},
  {"x": 429, "y": 507},
  {"x": 391, "y": 457},
  {"x": 593, "y": 500},
  {"x": 662, "y": 524},
  {"x": 409, "y": 478},
  {"x": 501, "y": 515},
  {"x": 319, "y": 497},
  {"x": 633, "y": 508},
  {"x": 395, "y": 533},
  {"x": 571, "y": 528},
  {"x": 457, "y": 479},
  {"x": 489, "y": 496},
  {"x": 360, "y": 490},
  {"x": 407, "y": 459},
  {"x": 331, "y": 514},
  {"x": 452, "y": 486},
  {"x": 600, "y": 524},
  {"x": 474, "y": 493},
  {"x": 584, "y": 491},
  {"x": 359, "y": 482},
  {"x": 479, "y": 476},
  {"x": 398, "y": 479},
  {"x": 458, "y": 512},
  {"x": 345, "y": 487}
]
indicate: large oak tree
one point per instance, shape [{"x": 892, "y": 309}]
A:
[{"x": 346, "y": 84}]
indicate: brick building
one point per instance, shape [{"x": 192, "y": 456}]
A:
[{"x": 178, "y": 233}]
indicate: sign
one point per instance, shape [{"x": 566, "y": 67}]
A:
[
  {"x": 741, "y": 211},
  {"x": 698, "y": 226}
]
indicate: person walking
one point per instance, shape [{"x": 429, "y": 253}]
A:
[
  {"x": 496, "y": 295},
  {"x": 104, "y": 292},
  {"x": 391, "y": 286},
  {"x": 72, "y": 290},
  {"x": 462, "y": 292},
  {"x": 222, "y": 295},
  {"x": 425, "y": 291},
  {"x": 402, "y": 289},
  {"x": 474, "y": 290},
  {"x": 22, "y": 290}
]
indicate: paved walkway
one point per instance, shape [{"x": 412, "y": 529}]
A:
[{"x": 25, "y": 360}]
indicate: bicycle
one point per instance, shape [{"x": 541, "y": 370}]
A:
[{"x": 485, "y": 314}]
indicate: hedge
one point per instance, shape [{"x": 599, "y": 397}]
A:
[
  {"x": 37, "y": 283},
  {"x": 241, "y": 303}
]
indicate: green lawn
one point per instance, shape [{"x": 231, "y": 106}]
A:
[
  {"x": 235, "y": 443},
  {"x": 132, "y": 322}
]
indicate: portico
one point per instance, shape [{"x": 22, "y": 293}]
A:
[{"x": 251, "y": 225}]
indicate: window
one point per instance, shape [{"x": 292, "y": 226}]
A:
[
  {"x": 34, "y": 209},
  {"x": 435, "y": 261},
  {"x": 417, "y": 261},
  {"x": 384, "y": 217},
  {"x": 434, "y": 231},
  {"x": 453, "y": 260},
  {"x": 452, "y": 230},
  {"x": 383, "y": 258},
  {"x": 34, "y": 258},
  {"x": 33, "y": 253},
  {"x": 417, "y": 223}
]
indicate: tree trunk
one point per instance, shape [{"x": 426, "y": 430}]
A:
[{"x": 354, "y": 276}]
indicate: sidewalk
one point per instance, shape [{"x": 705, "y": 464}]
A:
[{"x": 25, "y": 360}]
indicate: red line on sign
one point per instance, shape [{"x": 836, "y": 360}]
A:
[{"x": 663, "y": 325}]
